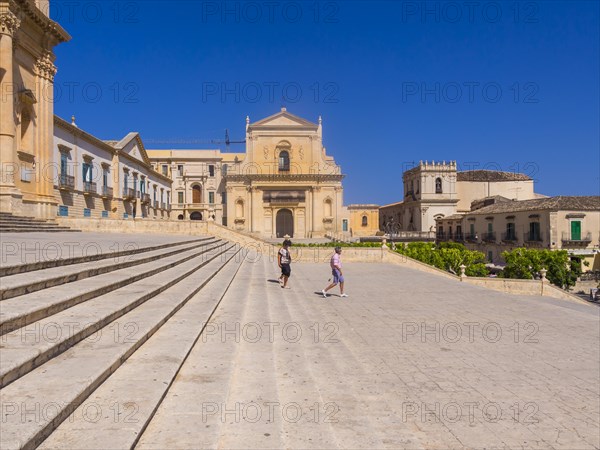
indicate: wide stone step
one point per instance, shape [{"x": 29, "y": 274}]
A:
[
  {"x": 25, "y": 283},
  {"x": 37, "y": 230},
  {"x": 62, "y": 384},
  {"x": 25, "y": 349},
  {"x": 20, "y": 311},
  {"x": 140, "y": 384},
  {"x": 59, "y": 262}
]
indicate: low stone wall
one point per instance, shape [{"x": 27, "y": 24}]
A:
[
  {"x": 523, "y": 287},
  {"x": 188, "y": 228},
  {"x": 310, "y": 254}
]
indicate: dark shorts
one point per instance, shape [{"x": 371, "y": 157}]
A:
[
  {"x": 286, "y": 270},
  {"x": 337, "y": 277}
]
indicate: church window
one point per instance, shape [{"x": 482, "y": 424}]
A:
[{"x": 284, "y": 161}]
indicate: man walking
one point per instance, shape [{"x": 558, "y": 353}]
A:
[
  {"x": 336, "y": 271},
  {"x": 284, "y": 258}
]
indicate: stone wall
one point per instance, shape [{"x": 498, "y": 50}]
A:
[{"x": 311, "y": 254}]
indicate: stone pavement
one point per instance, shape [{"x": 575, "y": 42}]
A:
[
  {"x": 409, "y": 360},
  {"x": 195, "y": 345}
]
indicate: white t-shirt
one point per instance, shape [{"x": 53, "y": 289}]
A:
[{"x": 285, "y": 256}]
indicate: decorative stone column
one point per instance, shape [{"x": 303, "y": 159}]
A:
[
  {"x": 462, "y": 268},
  {"x": 45, "y": 71},
  {"x": 10, "y": 195}
]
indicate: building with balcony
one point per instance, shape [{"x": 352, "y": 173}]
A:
[
  {"x": 198, "y": 191},
  {"x": 434, "y": 190},
  {"x": 564, "y": 222},
  {"x": 105, "y": 179}
]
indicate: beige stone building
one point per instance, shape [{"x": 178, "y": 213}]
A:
[
  {"x": 286, "y": 184},
  {"x": 363, "y": 220},
  {"x": 497, "y": 224},
  {"x": 105, "y": 179},
  {"x": 27, "y": 40},
  {"x": 198, "y": 191},
  {"x": 433, "y": 190}
]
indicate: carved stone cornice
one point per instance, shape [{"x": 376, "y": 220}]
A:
[
  {"x": 315, "y": 178},
  {"x": 9, "y": 22}
]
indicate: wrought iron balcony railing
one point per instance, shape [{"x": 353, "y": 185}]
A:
[
  {"x": 107, "y": 192},
  {"x": 66, "y": 182},
  {"x": 89, "y": 187},
  {"x": 489, "y": 236},
  {"x": 509, "y": 236}
]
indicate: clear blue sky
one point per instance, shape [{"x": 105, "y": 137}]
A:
[{"x": 504, "y": 85}]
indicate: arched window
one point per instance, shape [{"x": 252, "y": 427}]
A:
[
  {"x": 438, "y": 185},
  {"x": 365, "y": 221},
  {"x": 284, "y": 161}
]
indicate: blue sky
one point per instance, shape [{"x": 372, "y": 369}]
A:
[{"x": 503, "y": 85}]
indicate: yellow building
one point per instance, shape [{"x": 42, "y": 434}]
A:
[
  {"x": 286, "y": 184},
  {"x": 364, "y": 220},
  {"x": 27, "y": 39}
]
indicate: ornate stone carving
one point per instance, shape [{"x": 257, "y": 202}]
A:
[
  {"x": 301, "y": 153},
  {"x": 44, "y": 66},
  {"x": 266, "y": 152},
  {"x": 9, "y": 23}
]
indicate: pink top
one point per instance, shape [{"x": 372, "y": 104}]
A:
[{"x": 336, "y": 261}]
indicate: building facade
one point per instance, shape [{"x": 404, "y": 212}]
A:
[
  {"x": 105, "y": 179},
  {"x": 286, "y": 184},
  {"x": 27, "y": 40},
  {"x": 198, "y": 191},
  {"x": 434, "y": 190},
  {"x": 363, "y": 220},
  {"x": 555, "y": 223}
]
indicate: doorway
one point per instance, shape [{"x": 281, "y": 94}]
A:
[{"x": 285, "y": 223}]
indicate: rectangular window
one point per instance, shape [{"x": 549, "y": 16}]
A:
[
  {"x": 211, "y": 197},
  {"x": 125, "y": 180},
  {"x": 180, "y": 170},
  {"x": 472, "y": 230},
  {"x": 87, "y": 171},
  {"x": 87, "y": 212},
  {"x": 224, "y": 170},
  {"x": 211, "y": 170},
  {"x": 490, "y": 227},
  {"x": 104, "y": 214},
  {"x": 165, "y": 170},
  {"x": 510, "y": 231},
  {"x": 63, "y": 211},
  {"x": 63, "y": 164},
  {"x": 534, "y": 231},
  {"x": 180, "y": 197},
  {"x": 105, "y": 177}
]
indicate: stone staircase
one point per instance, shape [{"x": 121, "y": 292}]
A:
[
  {"x": 17, "y": 224},
  {"x": 68, "y": 329}
]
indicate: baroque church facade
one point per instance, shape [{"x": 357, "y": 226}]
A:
[{"x": 286, "y": 184}]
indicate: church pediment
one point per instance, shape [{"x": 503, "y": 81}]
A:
[{"x": 283, "y": 119}]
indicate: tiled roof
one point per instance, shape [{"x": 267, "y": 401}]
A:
[
  {"x": 490, "y": 175},
  {"x": 563, "y": 203}
]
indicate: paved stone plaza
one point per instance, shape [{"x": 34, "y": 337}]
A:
[{"x": 409, "y": 360}]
